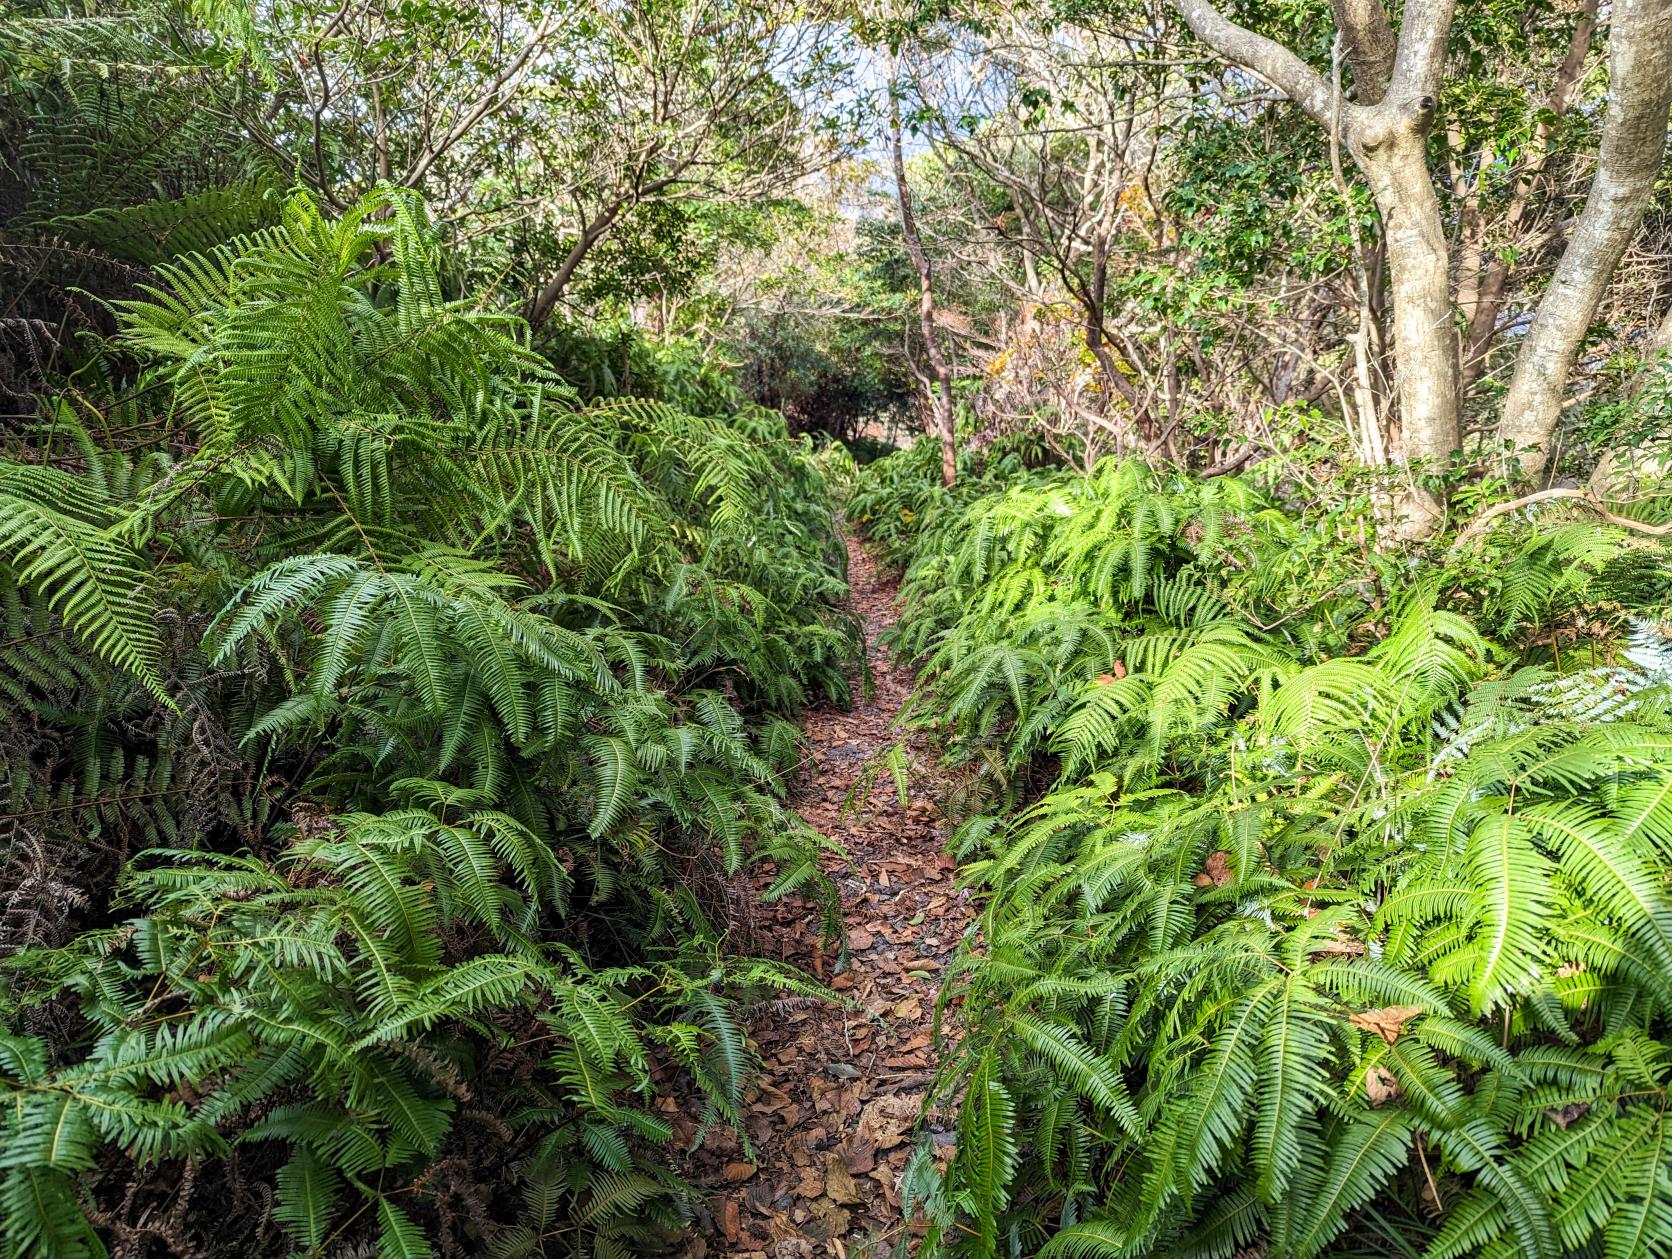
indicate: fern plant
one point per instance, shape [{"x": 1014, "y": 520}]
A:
[
  {"x": 1334, "y": 918},
  {"x": 426, "y": 714}
]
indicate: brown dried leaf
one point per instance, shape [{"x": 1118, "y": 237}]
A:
[
  {"x": 728, "y": 1219},
  {"x": 887, "y": 1119},
  {"x": 1381, "y": 1086},
  {"x": 859, "y": 1153},
  {"x": 1566, "y": 1116},
  {"x": 811, "y": 1184},
  {"x": 1386, "y": 1022},
  {"x": 1342, "y": 946},
  {"x": 1216, "y": 870},
  {"x": 839, "y": 1186}
]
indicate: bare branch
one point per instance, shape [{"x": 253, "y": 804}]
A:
[{"x": 1264, "y": 57}]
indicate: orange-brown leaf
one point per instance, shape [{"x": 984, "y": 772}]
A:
[{"x": 1387, "y": 1022}]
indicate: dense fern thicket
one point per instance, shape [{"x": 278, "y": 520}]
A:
[
  {"x": 1325, "y": 893},
  {"x": 382, "y": 726}
]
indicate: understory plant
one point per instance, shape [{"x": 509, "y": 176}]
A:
[
  {"x": 383, "y": 729},
  {"x": 1325, "y": 899}
]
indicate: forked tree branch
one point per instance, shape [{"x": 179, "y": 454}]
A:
[{"x": 1265, "y": 57}]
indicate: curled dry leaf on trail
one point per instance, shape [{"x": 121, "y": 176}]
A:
[{"x": 843, "y": 1083}]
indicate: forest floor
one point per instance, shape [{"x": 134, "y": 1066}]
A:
[{"x": 844, "y": 1084}]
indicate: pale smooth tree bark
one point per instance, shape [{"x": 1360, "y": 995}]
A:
[
  {"x": 1483, "y": 267},
  {"x": 940, "y": 369},
  {"x": 1628, "y": 163},
  {"x": 1385, "y": 126}
]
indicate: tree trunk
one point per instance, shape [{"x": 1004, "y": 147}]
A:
[
  {"x": 1483, "y": 279},
  {"x": 545, "y": 301},
  {"x": 1388, "y": 140},
  {"x": 1389, "y": 143},
  {"x": 1369, "y": 47},
  {"x": 941, "y": 371},
  {"x": 1633, "y": 145}
]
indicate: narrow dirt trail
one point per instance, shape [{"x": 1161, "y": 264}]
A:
[{"x": 842, "y": 1089}]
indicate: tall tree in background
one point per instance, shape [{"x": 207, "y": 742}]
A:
[
  {"x": 433, "y": 97},
  {"x": 939, "y": 387},
  {"x": 682, "y": 100},
  {"x": 1633, "y": 146},
  {"x": 1386, "y": 124},
  {"x": 536, "y": 131}
]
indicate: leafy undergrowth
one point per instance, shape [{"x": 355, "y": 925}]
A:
[
  {"x": 1323, "y": 892},
  {"x": 383, "y": 730}
]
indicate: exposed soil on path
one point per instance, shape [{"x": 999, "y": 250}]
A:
[{"x": 843, "y": 1089}]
